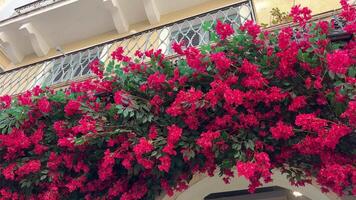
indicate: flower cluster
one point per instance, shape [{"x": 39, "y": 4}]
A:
[
  {"x": 254, "y": 171},
  {"x": 300, "y": 15},
  {"x": 5, "y": 102},
  {"x": 223, "y": 30},
  {"x": 339, "y": 61},
  {"x": 254, "y": 102}
]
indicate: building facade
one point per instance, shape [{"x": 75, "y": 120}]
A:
[{"x": 51, "y": 43}]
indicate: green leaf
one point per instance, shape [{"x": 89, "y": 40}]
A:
[
  {"x": 59, "y": 96},
  {"x": 110, "y": 66},
  {"x": 207, "y": 26},
  {"x": 214, "y": 37},
  {"x": 331, "y": 74},
  {"x": 352, "y": 71},
  {"x": 126, "y": 113}
]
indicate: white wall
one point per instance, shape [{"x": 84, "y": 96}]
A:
[
  {"x": 7, "y": 7},
  {"x": 207, "y": 185}
]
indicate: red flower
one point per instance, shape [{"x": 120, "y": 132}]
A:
[
  {"x": 300, "y": 15},
  {"x": 86, "y": 125},
  {"x": 95, "y": 67},
  {"x": 29, "y": 167},
  {"x": 53, "y": 161},
  {"x": 190, "y": 97},
  {"x": 174, "y": 134},
  {"x": 308, "y": 82},
  {"x": 118, "y": 188},
  {"x": 165, "y": 163},
  {"x": 253, "y": 171},
  {"x": 72, "y": 107},
  {"x": 143, "y": 87},
  {"x": 166, "y": 187},
  {"x": 169, "y": 149},
  {"x": 119, "y": 97},
  {"x": 194, "y": 58},
  {"x": 152, "y": 134},
  {"x": 44, "y": 105},
  {"x": 25, "y": 99},
  {"x": 137, "y": 191},
  {"x": 156, "y": 80},
  {"x": 284, "y": 38},
  {"x": 206, "y": 139},
  {"x": 142, "y": 147},
  {"x": 37, "y": 136},
  {"x": 233, "y": 96},
  {"x": 297, "y": 103},
  {"x": 222, "y": 63},
  {"x": 348, "y": 11},
  {"x": 5, "y": 102},
  {"x": 251, "y": 27},
  {"x": 282, "y": 131},
  {"x": 177, "y": 47},
  {"x": 310, "y": 122},
  {"x": 118, "y": 54},
  {"x": 335, "y": 133},
  {"x": 254, "y": 78},
  {"x": 66, "y": 142},
  {"x": 106, "y": 166},
  {"x": 58, "y": 126},
  {"x": 75, "y": 183},
  {"x": 223, "y": 30},
  {"x": 350, "y": 28},
  {"x": 335, "y": 177},
  {"x": 339, "y": 61},
  {"x": 8, "y": 171},
  {"x": 138, "y": 54},
  {"x": 15, "y": 142},
  {"x": 156, "y": 102}
]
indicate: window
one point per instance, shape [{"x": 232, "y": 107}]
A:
[
  {"x": 191, "y": 33},
  {"x": 190, "y": 36},
  {"x": 73, "y": 65}
]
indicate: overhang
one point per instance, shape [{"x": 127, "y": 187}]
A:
[{"x": 52, "y": 23}]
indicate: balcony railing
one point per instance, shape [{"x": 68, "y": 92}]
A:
[
  {"x": 62, "y": 70},
  {"x": 34, "y": 6}
]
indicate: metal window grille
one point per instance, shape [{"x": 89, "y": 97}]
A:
[{"x": 74, "y": 66}]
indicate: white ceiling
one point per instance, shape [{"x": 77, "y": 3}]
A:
[
  {"x": 76, "y": 20},
  {"x": 9, "y": 7}
]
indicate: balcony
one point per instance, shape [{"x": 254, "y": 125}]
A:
[
  {"x": 62, "y": 70},
  {"x": 33, "y": 6}
]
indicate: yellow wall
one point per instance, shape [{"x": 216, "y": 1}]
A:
[
  {"x": 2, "y": 2},
  {"x": 263, "y": 7},
  {"x": 4, "y": 61}
]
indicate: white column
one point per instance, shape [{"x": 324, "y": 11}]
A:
[
  {"x": 9, "y": 49},
  {"x": 39, "y": 44},
  {"x": 120, "y": 22},
  {"x": 152, "y": 12}
]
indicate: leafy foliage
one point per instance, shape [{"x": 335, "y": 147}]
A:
[{"x": 251, "y": 100}]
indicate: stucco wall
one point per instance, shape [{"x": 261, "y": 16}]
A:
[{"x": 263, "y": 7}]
